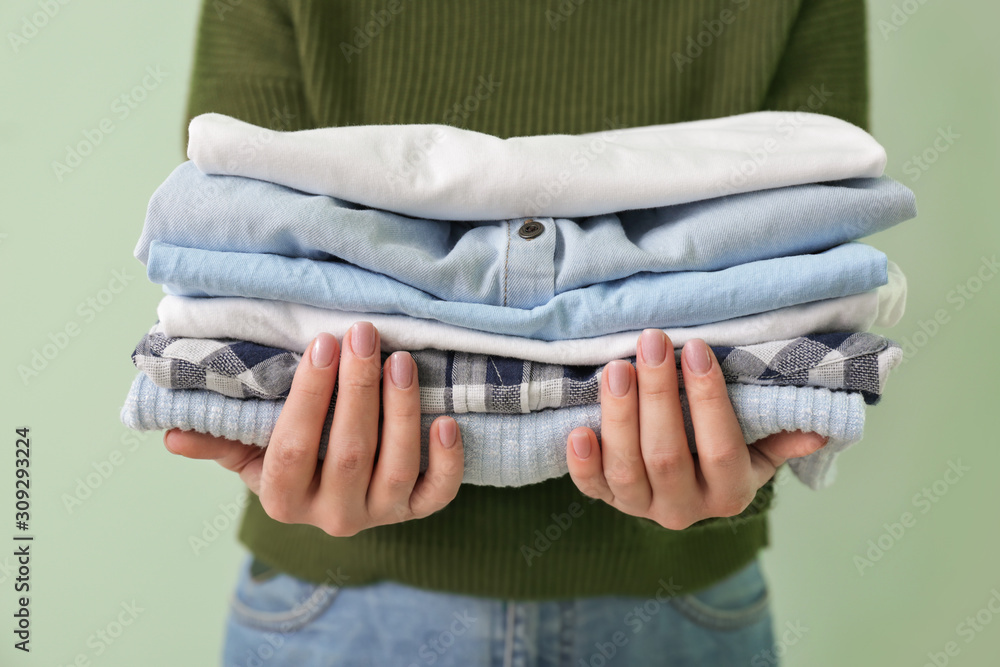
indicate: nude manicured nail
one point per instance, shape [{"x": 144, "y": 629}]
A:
[
  {"x": 401, "y": 370},
  {"x": 447, "y": 429},
  {"x": 698, "y": 356},
  {"x": 654, "y": 347},
  {"x": 363, "y": 339},
  {"x": 619, "y": 378},
  {"x": 323, "y": 350},
  {"x": 581, "y": 445}
]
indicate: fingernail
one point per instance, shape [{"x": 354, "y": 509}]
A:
[
  {"x": 363, "y": 339},
  {"x": 654, "y": 347},
  {"x": 323, "y": 349},
  {"x": 401, "y": 370},
  {"x": 619, "y": 377},
  {"x": 167, "y": 438},
  {"x": 446, "y": 432},
  {"x": 697, "y": 355},
  {"x": 581, "y": 444}
]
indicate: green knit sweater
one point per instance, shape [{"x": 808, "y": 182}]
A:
[{"x": 509, "y": 68}]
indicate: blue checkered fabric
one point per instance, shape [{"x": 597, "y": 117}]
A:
[{"x": 459, "y": 382}]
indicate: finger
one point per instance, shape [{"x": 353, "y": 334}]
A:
[
  {"x": 398, "y": 464},
  {"x": 586, "y": 469},
  {"x": 290, "y": 460},
  {"x": 624, "y": 468},
  {"x": 664, "y": 444},
  {"x": 347, "y": 466},
  {"x": 767, "y": 454},
  {"x": 723, "y": 455},
  {"x": 439, "y": 484},
  {"x": 246, "y": 460}
]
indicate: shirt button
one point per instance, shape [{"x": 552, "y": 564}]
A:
[{"x": 530, "y": 229}]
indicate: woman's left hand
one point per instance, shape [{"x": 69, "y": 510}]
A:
[{"x": 643, "y": 465}]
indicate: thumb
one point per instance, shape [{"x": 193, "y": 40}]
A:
[
  {"x": 767, "y": 454},
  {"x": 245, "y": 460}
]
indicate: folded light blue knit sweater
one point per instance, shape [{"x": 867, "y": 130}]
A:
[{"x": 516, "y": 450}]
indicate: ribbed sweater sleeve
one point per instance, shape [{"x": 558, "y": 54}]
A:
[{"x": 824, "y": 68}]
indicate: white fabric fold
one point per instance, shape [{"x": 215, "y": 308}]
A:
[
  {"x": 293, "y": 326},
  {"x": 448, "y": 173}
]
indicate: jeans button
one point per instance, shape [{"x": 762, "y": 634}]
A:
[{"x": 530, "y": 229}]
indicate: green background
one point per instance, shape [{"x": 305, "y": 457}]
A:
[{"x": 61, "y": 241}]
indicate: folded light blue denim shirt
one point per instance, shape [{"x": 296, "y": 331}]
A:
[
  {"x": 516, "y": 450},
  {"x": 490, "y": 262},
  {"x": 678, "y": 299}
]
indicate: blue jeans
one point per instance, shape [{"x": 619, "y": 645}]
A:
[{"x": 286, "y": 621}]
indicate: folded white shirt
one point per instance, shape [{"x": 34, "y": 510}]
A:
[
  {"x": 292, "y": 326},
  {"x": 447, "y": 173}
]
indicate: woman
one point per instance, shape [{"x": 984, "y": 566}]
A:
[{"x": 368, "y": 564}]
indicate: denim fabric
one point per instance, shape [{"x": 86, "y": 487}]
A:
[
  {"x": 642, "y": 300},
  {"x": 515, "y": 450},
  {"x": 448, "y": 173},
  {"x": 489, "y": 262},
  {"x": 278, "y": 620},
  {"x": 292, "y": 326}
]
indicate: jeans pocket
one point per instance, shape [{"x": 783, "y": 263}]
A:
[
  {"x": 734, "y": 603},
  {"x": 280, "y": 603}
]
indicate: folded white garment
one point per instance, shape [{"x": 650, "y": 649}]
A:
[
  {"x": 292, "y": 326},
  {"x": 448, "y": 173}
]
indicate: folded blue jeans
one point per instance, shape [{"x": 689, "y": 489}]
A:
[
  {"x": 282, "y": 621},
  {"x": 684, "y": 298},
  {"x": 489, "y": 262}
]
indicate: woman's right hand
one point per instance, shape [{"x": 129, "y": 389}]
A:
[{"x": 349, "y": 491}]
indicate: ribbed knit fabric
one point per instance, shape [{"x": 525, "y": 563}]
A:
[
  {"x": 521, "y": 449},
  {"x": 516, "y": 68}
]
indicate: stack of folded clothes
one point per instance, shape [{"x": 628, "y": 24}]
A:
[{"x": 514, "y": 269}]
